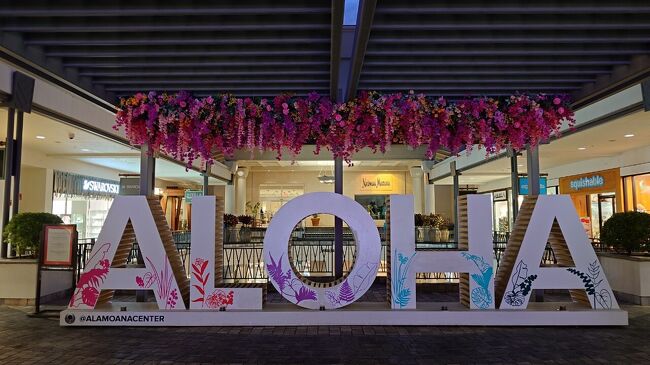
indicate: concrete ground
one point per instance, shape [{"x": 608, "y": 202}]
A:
[{"x": 29, "y": 340}]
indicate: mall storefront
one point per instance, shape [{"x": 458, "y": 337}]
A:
[
  {"x": 83, "y": 200},
  {"x": 596, "y": 196}
]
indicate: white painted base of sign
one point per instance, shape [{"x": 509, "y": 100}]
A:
[{"x": 357, "y": 314}]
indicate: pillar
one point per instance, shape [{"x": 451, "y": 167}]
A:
[
  {"x": 429, "y": 198},
  {"x": 229, "y": 200},
  {"x": 418, "y": 188},
  {"x": 240, "y": 196}
]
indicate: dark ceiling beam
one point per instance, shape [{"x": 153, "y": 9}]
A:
[
  {"x": 362, "y": 34},
  {"x": 510, "y": 26},
  {"x": 498, "y": 52},
  {"x": 470, "y": 80},
  {"x": 159, "y": 11},
  {"x": 169, "y": 73},
  {"x": 82, "y": 41},
  {"x": 216, "y": 89},
  {"x": 181, "y": 53},
  {"x": 621, "y": 78},
  {"x": 32, "y": 59},
  {"x": 197, "y": 63},
  {"x": 338, "y": 6},
  {"x": 585, "y": 62},
  {"x": 172, "y": 81},
  {"x": 521, "y": 87},
  {"x": 168, "y": 28},
  {"x": 449, "y": 72},
  {"x": 506, "y": 39},
  {"x": 523, "y": 10}
]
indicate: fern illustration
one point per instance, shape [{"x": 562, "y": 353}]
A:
[{"x": 601, "y": 298}]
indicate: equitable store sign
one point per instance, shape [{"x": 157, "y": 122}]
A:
[{"x": 200, "y": 301}]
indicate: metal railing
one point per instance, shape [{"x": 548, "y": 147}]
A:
[{"x": 311, "y": 255}]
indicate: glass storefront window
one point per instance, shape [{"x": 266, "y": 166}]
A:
[
  {"x": 88, "y": 214},
  {"x": 272, "y": 197},
  {"x": 637, "y": 193}
]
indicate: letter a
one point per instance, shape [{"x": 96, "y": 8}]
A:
[
  {"x": 554, "y": 220},
  {"x": 112, "y": 249}
]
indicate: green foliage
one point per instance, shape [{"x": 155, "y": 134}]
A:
[
  {"x": 24, "y": 229},
  {"x": 628, "y": 232}
]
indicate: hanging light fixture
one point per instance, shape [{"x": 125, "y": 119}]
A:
[{"x": 326, "y": 179}]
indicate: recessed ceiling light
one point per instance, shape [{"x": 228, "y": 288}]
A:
[
  {"x": 85, "y": 150},
  {"x": 582, "y": 148},
  {"x": 629, "y": 135},
  {"x": 40, "y": 137}
]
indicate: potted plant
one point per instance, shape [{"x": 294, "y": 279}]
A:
[
  {"x": 315, "y": 220},
  {"x": 24, "y": 231},
  {"x": 435, "y": 222},
  {"x": 628, "y": 235},
  {"x": 419, "y": 227},
  {"x": 444, "y": 230},
  {"x": 245, "y": 230},
  {"x": 230, "y": 222}
]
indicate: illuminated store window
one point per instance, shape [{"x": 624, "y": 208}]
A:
[
  {"x": 273, "y": 196},
  {"x": 636, "y": 191}
]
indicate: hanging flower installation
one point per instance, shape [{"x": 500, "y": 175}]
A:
[{"x": 188, "y": 128}]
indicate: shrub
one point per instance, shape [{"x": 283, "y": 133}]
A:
[
  {"x": 24, "y": 230},
  {"x": 628, "y": 232},
  {"x": 230, "y": 220}
]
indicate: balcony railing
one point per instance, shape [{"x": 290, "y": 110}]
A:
[{"x": 312, "y": 255}]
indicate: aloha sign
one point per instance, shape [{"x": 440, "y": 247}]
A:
[{"x": 487, "y": 296}]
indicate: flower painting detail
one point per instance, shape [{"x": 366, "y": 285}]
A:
[
  {"x": 163, "y": 281},
  {"x": 401, "y": 293},
  {"x": 481, "y": 296},
  {"x": 88, "y": 286},
  {"x": 288, "y": 284},
  {"x": 521, "y": 285},
  {"x": 219, "y": 298}
]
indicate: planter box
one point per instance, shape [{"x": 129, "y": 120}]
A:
[
  {"x": 629, "y": 277},
  {"x": 18, "y": 282}
]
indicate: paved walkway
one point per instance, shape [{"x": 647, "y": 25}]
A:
[{"x": 26, "y": 340}]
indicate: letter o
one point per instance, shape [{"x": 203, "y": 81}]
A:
[{"x": 276, "y": 255}]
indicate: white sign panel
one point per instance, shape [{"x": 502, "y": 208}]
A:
[{"x": 335, "y": 304}]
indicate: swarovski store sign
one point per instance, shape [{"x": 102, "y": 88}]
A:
[
  {"x": 86, "y": 186},
  {"x": 102, "y": 187}
]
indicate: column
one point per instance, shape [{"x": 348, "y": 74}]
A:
[
  {"x": 229, "y": 200},
  {"x": 240, "y": 205},
  {"x": 429, "y": 198},
  {"x": 416, "y": 175}
]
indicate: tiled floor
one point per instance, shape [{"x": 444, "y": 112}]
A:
[{"x": 24, "y": 339}]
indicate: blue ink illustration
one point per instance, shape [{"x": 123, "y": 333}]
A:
[
  {"x": 401, "y": 294},
  {"x": 521, "y": 285},
  {"x": 481, "y": 296},
  {"x": 601, "y": 299}
]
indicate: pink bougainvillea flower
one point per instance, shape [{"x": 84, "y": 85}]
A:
[{"x": 188, "y": 128}]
